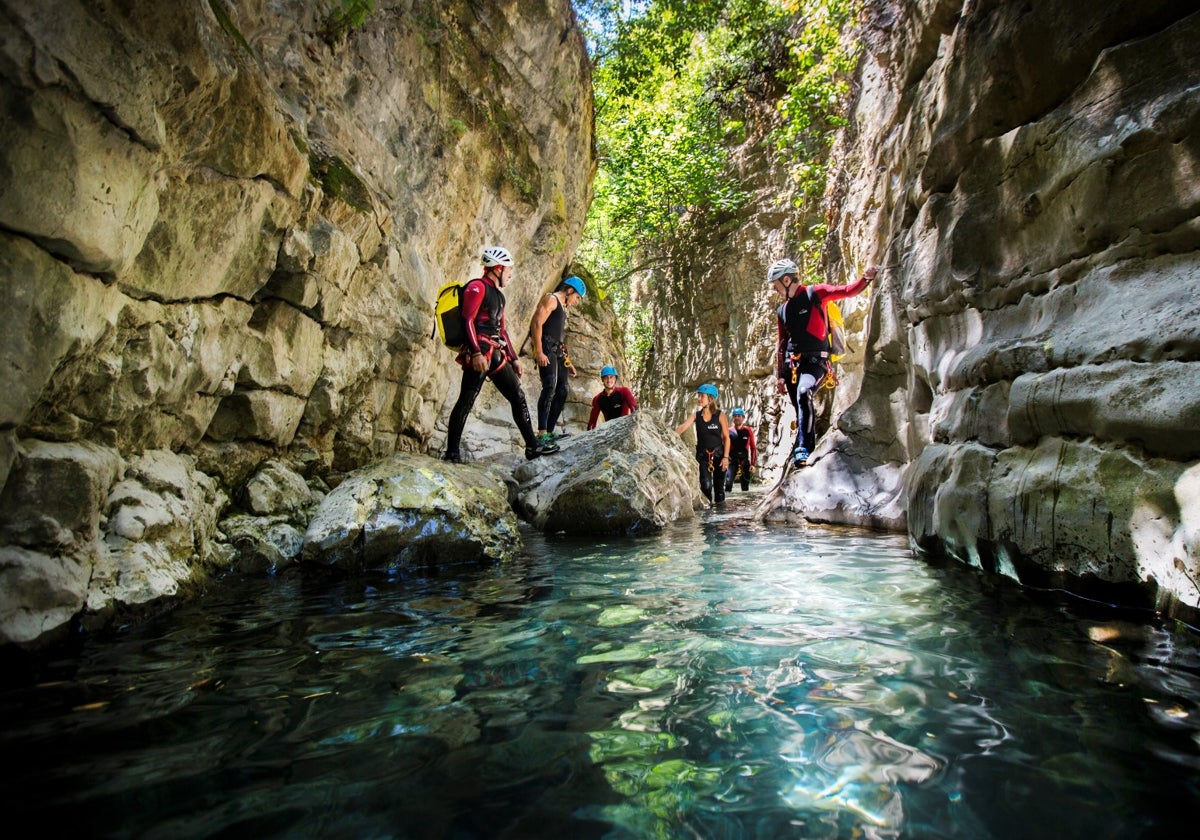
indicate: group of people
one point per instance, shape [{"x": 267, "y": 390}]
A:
[
  {"x": 715, "y": 436},
  {"x": 802, "y": 362},
  {"x": 489, "y": 354}
]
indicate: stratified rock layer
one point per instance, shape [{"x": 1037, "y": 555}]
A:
[{"x": 223, "y": 228}]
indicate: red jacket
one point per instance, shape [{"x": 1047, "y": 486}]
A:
[{"x": 816, "y": 327}]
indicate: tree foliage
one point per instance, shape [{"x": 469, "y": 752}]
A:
[
  {"x": 817, "y": 77},
  {"x": 673, "y": 80}
]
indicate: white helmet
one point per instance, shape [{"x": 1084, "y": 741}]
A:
[
  {"x": 779, "y": 268},
  {"x": 496, "y": 256}
]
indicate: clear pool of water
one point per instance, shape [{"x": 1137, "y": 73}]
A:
[{"x": 723, "y": 680}]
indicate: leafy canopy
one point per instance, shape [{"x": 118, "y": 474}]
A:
[{"x": 674, "y": 81}]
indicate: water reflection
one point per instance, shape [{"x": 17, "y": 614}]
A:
[{"x": 723, "y": 680}]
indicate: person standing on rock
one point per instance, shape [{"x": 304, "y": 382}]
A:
[
  {"x": 712, "y": 443},
  {"x": 548, "y": 330},
  {"x": 612, "y": 401},
  {"x": 802, "y": 347},
  {"x": 743, "y": 455},
  {"x": 489, "y": 354}
]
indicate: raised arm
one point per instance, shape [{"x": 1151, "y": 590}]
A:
[{"x": 829, "y": 291}]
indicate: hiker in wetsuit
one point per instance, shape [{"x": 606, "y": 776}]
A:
[
  {"x": 802, "y": 347},
  {"x": 488, "y": 354},
  {"x": 548, "y": 329},
  {"x": 743, "y": 455},
  {"x": 612, "y": 401},
  {"x": 712, "y": 443}
]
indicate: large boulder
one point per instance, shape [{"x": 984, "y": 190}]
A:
[
  {"x": 412, "y": 510},
  {"x": 86, "y": 535},
  {"x": 632, "y": 475},
  {"x": 268, "y": 535}
]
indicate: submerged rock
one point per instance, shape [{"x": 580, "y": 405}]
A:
[
  {"x": 412, "y": 510},
  {"x": 630, "y": 475}
]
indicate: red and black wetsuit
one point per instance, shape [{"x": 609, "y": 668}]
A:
[
  {"x": 802, "y": 348},
  {"x": 617, "y": 404},
  {"x": 483, "y": 312},
  {"x": 742, "y": 455}
]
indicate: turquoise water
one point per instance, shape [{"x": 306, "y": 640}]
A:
[{"x": 724, "y": 680}]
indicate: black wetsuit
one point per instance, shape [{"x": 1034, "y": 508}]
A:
[
  {"x": 554, "y": 375},
  {"x": 741, "y": 445},
  {"x": 710, "y": 450}
]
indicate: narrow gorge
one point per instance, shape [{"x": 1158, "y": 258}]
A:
[{"x": 222, "y": 228}]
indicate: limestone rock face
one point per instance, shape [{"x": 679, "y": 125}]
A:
[
  {"x": 223, "y": 229},
  {"x": 412, "y": 510},
  {"x": 1023, "y": 380},
  {"x": 1032, "y": 367},
  {"x": 631, "y": 475},
  {"x": 89, "y": 535}
]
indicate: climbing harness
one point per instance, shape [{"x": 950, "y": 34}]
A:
[
  {"x": 488, "y": 347},
  {"x": 794, "y": 360}
]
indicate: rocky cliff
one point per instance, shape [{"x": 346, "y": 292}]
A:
[
  {"x": 1024, "y": 393},
  {"x": 222, "y": 227}
]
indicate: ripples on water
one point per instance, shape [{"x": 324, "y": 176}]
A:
[{"x": 724, "y": 680}]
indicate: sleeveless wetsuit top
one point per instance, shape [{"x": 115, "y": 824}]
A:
[
  {"x": 708, "y": 434},
  {"x": 488, "y": 319},
  {"x": 554, "y": 329}
]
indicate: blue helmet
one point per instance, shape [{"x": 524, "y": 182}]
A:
[
  {"x": 575, "y": 283},
  {"x": 607, "y": 370},
  {"x": 738, "y": 412},
  {"x": 709, "y": 389}
]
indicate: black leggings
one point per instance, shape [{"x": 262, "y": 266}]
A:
[
  {"x": 507, "y": 383},
  {"x": 739, "y": 469},
  {"x": 712, "y": 479},
  {"x": 809, "y": 374},
  {"x": 554, "y": 392}
]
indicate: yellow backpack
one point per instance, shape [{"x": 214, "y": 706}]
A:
[
  {"x": 837, "y": 331},
  {"x": 447, "y": 316}
]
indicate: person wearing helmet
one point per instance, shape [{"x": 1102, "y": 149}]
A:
[
  {"x": 712, "y": 442},
  {"x": 612, "y": 401},
  {"x": 802, "y": 345},
  {"x": 548, "y": 329},
  {"x": 488, "y": 354},
  {"x": 743, "y": 455}
]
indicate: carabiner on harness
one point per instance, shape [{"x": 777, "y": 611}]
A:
[
  {"x": 794, "y": 364},
  {"x": 830, "y": 379}
]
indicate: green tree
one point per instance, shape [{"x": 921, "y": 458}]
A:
[{"x": 672, "y": 81}]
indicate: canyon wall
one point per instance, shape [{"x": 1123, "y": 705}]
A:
[
  {"x": 222, "y": 227},
  {"x": 1023, "y": 392}
]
